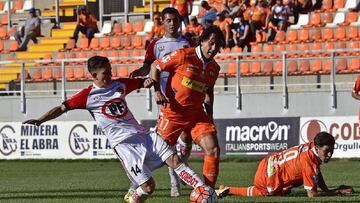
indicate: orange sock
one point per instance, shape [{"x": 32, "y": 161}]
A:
[
  {"x": 251, "y": 191},
  {"x": 210, "y": 170}
]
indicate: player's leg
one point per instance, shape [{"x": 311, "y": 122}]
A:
[
  {"x": 132, "y": 156},
  {"x": 204, "y": 134}
]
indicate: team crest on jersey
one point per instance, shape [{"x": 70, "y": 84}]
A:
[
  {"x": 114, "y": 108},
  {"x": 161, "y": 48}
]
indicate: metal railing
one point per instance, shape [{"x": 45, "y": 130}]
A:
[{"x": 240, "y": 58}]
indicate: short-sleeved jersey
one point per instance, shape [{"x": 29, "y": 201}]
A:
[
  {"x": 294, "y": 167},
  {"x": 182, "y": 6},
  {"x": 190, "y": 78},
  {"x": 109, "y": 108},
  {"x": 356, "y": 87},
  {"x": 196, "y": 29}
]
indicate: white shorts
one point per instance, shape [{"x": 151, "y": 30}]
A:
[{"x": 142, "y": 154}]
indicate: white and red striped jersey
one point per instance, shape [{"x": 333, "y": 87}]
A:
[{"x": 109, "y": 109}]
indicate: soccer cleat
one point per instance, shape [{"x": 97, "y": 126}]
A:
[
  {"x": 128, "y": 195},
  {"x": 136, "y": 198},
  {"x": 223, "y": 191},
  {"x": 175, "y": 191}
]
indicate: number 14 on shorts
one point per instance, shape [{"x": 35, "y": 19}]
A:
[{"x": 135, "y": 169}]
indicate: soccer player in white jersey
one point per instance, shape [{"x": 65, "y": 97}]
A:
[
  {"x": 171, "y": 41},
  {"x": 139, "y": 150}
]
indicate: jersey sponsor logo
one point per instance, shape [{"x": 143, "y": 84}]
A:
[
  {"x": 165, "y": 59},
  {"x": 115, "y": 108},
  {"x": 193, "y": 84},
  {"x": 78, "y": 141},
  {"x": 8, "y": 144}
]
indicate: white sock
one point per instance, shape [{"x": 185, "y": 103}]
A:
[
  {"x": 133, "y": 186},
  {"x": 174, "y": 179},
  {"x": 139, "y": 195},
  {"x": 141, "y": 192},
  {"x": 188, "y": 176}
]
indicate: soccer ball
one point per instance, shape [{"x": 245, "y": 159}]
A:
[{"x": 203, "y": 194}]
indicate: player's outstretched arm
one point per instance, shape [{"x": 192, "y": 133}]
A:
[
  {"x": 53, "y": 113},
  {"x": 143, "y": 71},
  {"x": 341, "y": 190},
  {"x": 155, "y": 76}
]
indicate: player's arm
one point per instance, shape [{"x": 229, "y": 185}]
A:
[
  {"x": 355, "y": 95},
  {"x": 53, "y": 113},
  {"x": 341, "y": 190},
  {"x": 155, "y": 76},
  {"x": 149, "y": 58},
  {"x": 209, "y": 101}
]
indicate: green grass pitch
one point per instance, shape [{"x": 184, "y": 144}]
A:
[{"x": 105, "y": 181}]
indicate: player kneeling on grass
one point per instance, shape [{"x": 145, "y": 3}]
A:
[
  {"x": 278, "y": 174},
  {"x": 139, "y": 150}
]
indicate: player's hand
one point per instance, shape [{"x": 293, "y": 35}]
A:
[
  {"x": 160, "y": 98},
  {"x": 143, "y": 71},
  {"x": 345, "y": 189},
  {"x": 148, "y": 82},
  {"x": 32, "y": 122}
]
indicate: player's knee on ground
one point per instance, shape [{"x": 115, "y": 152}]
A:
[
  {"x": 173, "y": 161},
  {"x": 210, "y": 145},
  {"x": 149, "y": 186}
]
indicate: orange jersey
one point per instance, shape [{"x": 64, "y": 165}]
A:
[
  {"x": 291, "y": 168},
  {"x": 357, "y": 84},
  {"x": 190, "y": 77},
  {"x": 259, "y": 14},
  {"x": 88, "y": 21},
  {"x": 196, "y": 29},
  {"x": 157, "y": 31}
]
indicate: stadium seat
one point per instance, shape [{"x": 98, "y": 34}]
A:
[
  {"x": 3, "y": 33},
  {"x": 1, "y": 5},
  {"x": 304, "y": 35},
  {"x": 341, "y": 66},
  {"x": 269, "y": 50},
  {"x": 338, "y": 19},
  {"x": 231, "y": 69},
  {"x": 103, "y": 54},
  {"x": 353, "y": 45},
  {"x": 304, "y": 67},
  {"x": 291, "y": 48},
  {"x": 354, "y": 65},
  {"x": 327, "y": 5},
  {"x": 114, "y": 54},
  {"x": 122, "y": 72},
  {"x": 353, "y": 34},
  {"x": 303, "y": 47},
  {"x": 79, "y": 73},
  {"x": 128, "y": 29},
  {"x": 237, "y": 49},
  {"x": 116, "y": 43},
  {"x": 348, "y": 5},
  {"x": 316, "y": 66},
  {"x": 278, "y": 69},
  {"x": 13, "y": 46},
  {"x": 126, "y": 42},
  {"x": 4, "y": 19},
  {"x": 105, "y": 43},
  {"x": 316, "y": 34},
  {"x": 36, "y": 74},
  {"x": 138, "y": 26},
  {"x": 125, "y": 54},
  {"x": 244, "y": 68},
  {"x": 57, "y": 74},
  {"x": 84, "y": 44},
  {"x": 69, "y": 73},
  {"x": 137, "y": 43},
  {"x": 93, "y": 53},
  {"x": 327, "y": 18},
  {"x": 18, "y": 5},
  {"x": 340, "y": 33},
  {"x": 303, "y": 20},
  {"x": 47, "y": 74},
  {"x": 351, "y": 17},
  {"x": 255, "y": 68},
  {"x": 268, "y": 68},
  {"x": 1, "y": 46},
  {"x": 292, "y": 67},
  {"x": 338, "y": 4},
  {"x": 329, "y": 46},
  {"x": 94, "y": 44},
  {"x": 117, "y": 29},
  {"x": 136, "y": 53},
  {"x": 315, "y": 21},
  {"x": 328, "y": 35},
  {"x": 280, "y": 37},
  {"x": 69, "y": 45},
  {"x": 291, "y": 36}
]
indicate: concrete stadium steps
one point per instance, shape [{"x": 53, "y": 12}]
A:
[
  {"x": 45, "y": 47},
  {"x": 19, "y": 64},
  {"x": 62, "y": 32},
  {"x": 4, "y": 70},
  {"x": 30, "y": 55},
  {"x": 53, "y": 40},
  {"x": 2, "y": 86},
  {"x": 69, "y": 25},
  {"x": 66, "y": 12}
]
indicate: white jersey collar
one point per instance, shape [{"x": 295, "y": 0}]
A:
[{"x": 198, "y": 53}]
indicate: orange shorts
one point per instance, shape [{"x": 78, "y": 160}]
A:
[
  {"x": 170, "y": 126},
  {"x": 262, "y": 181}
]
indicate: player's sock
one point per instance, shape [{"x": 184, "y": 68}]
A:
[
  {"x": 210, "y": 170},
  {"x": 187, "y": 175},
  {"x": 245, "y": 191},
  {"x": 139, "y": 196},
  {"x": 175, "y": 183},
  {"x": 184, "y": 150}
]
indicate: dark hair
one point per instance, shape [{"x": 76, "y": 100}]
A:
[
  {"x": 170, "y": 10},
  {"x": 204, "y": 3},
  {"x": 97, "y": 62},
  {"x": 324, "y": 138},
  {"x": 205, "y": 35}
]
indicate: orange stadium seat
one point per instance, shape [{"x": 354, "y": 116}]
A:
[
  {"x": 304, "y": 67},
  {"x": 94, "y": 44},
  {"x": 136, "y": 53},
  {"x": 138, "y": 26},
  {"x": 316, "y": 66},
  {"x": 57, "y": 74},
  {"x": 93, "y": 53},
  {"x": 12, "y": 31},
  {"x": 114, "y": 73},
  {"x": 328, "y": 34},
  {"x": 316, "y": 46},
  {"x": 268, "y": 48},
  {"x": 117, "y": 29},
  {"x": 70, "y": 45},
  {"x": 69, "y": 73},
  {"x": 328, "y": 18},
  {"x": 278, "y": 69},
  {"x": 13, "y": 46},
  {"x": 329, "y": 46},
  {"x": 114, "y": 54},
  {"x": 340, "y": 33},
  {"x": 291, "y": 36},
  {"x": 231, "y": 69},
  {"x": 303, "y": 47},
  {"x": 103, "y": 54},
  {"x": 326, "y": 5},
  {"x": 280, "y": 48},
  {"x": 3, "y": 33},
  {"x": 116, "y": 43},
  {"x": 2, "y": 3},
  {"x": 290, "y": 48},
  {"x": 127, "y": 42},
  {"x": 292, "y": 67},
  {"x": 122, "y": 72},
  {"x": 105, "y": 43},
  {"x": 47, "y": 74},
  {"x": 341, "y": 45},
  {"x": 351, "y": 17},
  {"x": 315, "y": 21},
  {"x": 280, "y": 37},
  {"x": 18, "y": 5},
  {"x": 255, "y": 68},
  {"x": 341, "y": 65},
  {"x": 137, "y": 43},
  {"x": 353, "y": 33},
  {"x": 268, "y": 68},
  {"x": 84, "y": 44},
  {"x": 4, "y": 19},
  {"x": 255, "y": 50},
  {"x": 316, "y": 34},
  {"x": 60, "y": 55},
  {"x": 125, "y": 54},
  {"x": 79, "y": 73},
  {"x": 236, "y": 49},
  {"x": 128, "y": 29},
  {"x": 244, "y": 68},
  {"x": 1, "y": 46},
  {"x": 353, "y": 44},
  {"x": 36, "y": 74},
  {"x": 354, "y": 65},
  {"x": 326, "y": 67},
  {"x": 304, "y": 35}
]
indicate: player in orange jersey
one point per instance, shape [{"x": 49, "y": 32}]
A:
[
  {"x": 356, "y": 91},
  {"x": 189, "y": 90},
  {"x": 278, "y": 174}
]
